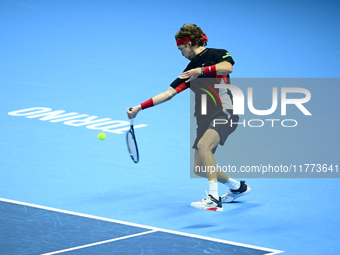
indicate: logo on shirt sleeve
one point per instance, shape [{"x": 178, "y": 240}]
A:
[{"x": 226, "y": 55}]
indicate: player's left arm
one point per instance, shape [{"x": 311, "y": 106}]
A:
[{"x": 222, "y": 68}]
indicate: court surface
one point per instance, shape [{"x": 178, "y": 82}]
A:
[
  {"x": 69, "y": 71},
  {"x": 41, "y": 230}
]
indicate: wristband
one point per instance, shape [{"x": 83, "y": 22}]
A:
[
  {"x": 147, "y": 104},
  {"x": 210, "y": 70}
]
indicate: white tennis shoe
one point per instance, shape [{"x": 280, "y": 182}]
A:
[
  {"x": 209, "y": 203},
  {"x": 231, "y": 194}
]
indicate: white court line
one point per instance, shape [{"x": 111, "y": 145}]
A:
[
  {"x": 152, "y": 229},
  {"x": 98, "y": 243}
]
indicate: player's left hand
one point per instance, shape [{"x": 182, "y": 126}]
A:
[{"x": 191, "y": 74}]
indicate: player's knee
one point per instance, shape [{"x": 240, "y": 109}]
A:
[{"x": 202, "y": 147}]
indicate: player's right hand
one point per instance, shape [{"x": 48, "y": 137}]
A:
[{"x": 133, "y": 111}]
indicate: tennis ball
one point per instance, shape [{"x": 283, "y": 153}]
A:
[{"x": 102, "y": 136}]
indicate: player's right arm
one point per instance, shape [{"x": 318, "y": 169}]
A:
[{"x": 177, "y": 86}]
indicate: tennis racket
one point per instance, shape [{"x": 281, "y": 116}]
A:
[{"x": 132, "y": 143}]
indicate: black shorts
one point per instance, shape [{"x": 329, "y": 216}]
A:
[{"x": 222, "y": 126}]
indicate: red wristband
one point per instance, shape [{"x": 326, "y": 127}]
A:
[
  {"x": 210, "y": 70},
  {"x": 147, "y": 104}
]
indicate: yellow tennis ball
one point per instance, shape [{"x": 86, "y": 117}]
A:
[{"x": 102, "y": 136}]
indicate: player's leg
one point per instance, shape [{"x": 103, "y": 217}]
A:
[
  {"x": 204, "y": 157},
  {"x": 236, "y": 189},
  {"x": 200, "y": 170},
  {"x": 205, "y": 147}
]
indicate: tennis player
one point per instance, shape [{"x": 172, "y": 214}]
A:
[{"x": 208, "y": 65}]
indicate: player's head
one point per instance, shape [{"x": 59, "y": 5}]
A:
[{"x": 190, "y": 36}]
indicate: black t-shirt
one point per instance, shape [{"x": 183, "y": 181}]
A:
[{"x": 217, "y": 100}]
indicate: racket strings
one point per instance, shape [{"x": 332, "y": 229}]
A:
[{"x": 132, "y": 146}]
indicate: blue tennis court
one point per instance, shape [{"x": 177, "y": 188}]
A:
[{"x": 70, "y": 70}]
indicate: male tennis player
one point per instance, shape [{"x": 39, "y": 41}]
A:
[{"x": 210, "y": 64}]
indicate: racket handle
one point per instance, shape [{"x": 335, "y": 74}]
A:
[{"x": 131, "y": 120}]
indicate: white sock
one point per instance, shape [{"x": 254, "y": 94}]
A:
[
  {"x": 213, "y": 189},
  {"x": 232, "y": 184}
]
